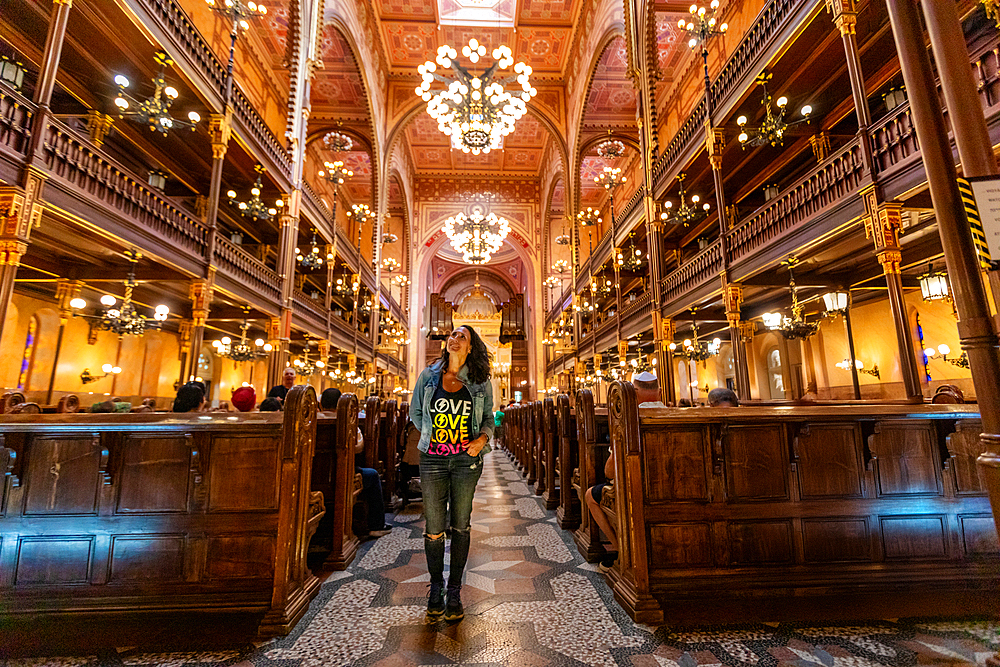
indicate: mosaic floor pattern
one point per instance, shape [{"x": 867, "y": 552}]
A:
[{"x": 531, "y": 601}]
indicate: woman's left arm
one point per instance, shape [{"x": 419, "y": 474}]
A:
[{"x": 486, "y": 425}]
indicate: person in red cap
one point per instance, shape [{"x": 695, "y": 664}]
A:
[{"x": 244, "y": 399}]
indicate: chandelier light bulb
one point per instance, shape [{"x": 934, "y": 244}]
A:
[
  {"x": 77, "y": 303},
  {"x": 108, "y": 300},
  {"x": 782, "y": 102},
  {"x": 806, "y": 110},
  {"x": 122, "y": 81},
  {"x": 106, "y": 368},
  {"x": 226, "y": 340},
  {"x": 170, "y": 92},
  {"x": 944, "y": 350},
  {"x": 194, "y": 117},
  {"x": 268, "y": 347}
]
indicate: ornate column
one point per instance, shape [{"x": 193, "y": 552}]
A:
[
  {"x": 183, "y": 349},
  {"x": 200, "y": 294},
  {"x": 975, "y": 328},
  {"x": 664, "y": 328},
  {"x": 66, "y": 291},
  {"x": 219, "y": 129},
  {"x": 330, "y": 266},
  {"x": 289, "y": 234},
  {"x": 275, "y": 366},
  {"x": 845, "y": 16},
  {"x": 20, "y": 211},
  {"x": 733, "y": 298}
]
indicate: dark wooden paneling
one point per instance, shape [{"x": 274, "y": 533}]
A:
[
  {"x": 155, "y": 474},
  {"x": 756, "y": 462},
  {"x": 979, "y": 535},
  {"x": 243, "y": 474},
  {"x": 676, "y": 466},
  {"x": 147, "y": 558},
  {"x": 906, "y": 458},
  {"x": 829, "y": 461},
  {"x": 758, "y": 542},
  {"x": 63, "y": 475},
  {"x": 914, "y": 537},
  {"x": 831, "y": 540},
  {"x": 240, "y": 557},
  {"x": 964, "y": 447},
  {"x": 679, "y": 545},
  {"x": 53, "y": 561}
]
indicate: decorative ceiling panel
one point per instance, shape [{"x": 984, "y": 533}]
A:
[
  {"x": 423, "y": 131},
  {"x": 407, "y": 9},
  {"x": 336, "y": 52},
  {"x": 276, "y": 24},
  {"x": 534, "y": 12},
  {"x": 409, "y": 44},
  {"x": 477, "y": 12},
  {"x": 544, "y": 49},
  {"x": 522, "y": 159},
  {"x": 431, "y": 158},
  {"x": 669, "y": 41},
  {"x": 614, "y": 61},
  {"x": 488, "y": 162},
  {"x": 342, "y": 90},
  {"x": 611, "y": 101},
  {"x": 527, "y": 132}
]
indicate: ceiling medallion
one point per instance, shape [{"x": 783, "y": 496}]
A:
[
  {"x": 475, "y": 110},
  {"x": 338, "y": 142},
  {"x": 476, "y": 236},
  {"x": 611, "y": 149}
]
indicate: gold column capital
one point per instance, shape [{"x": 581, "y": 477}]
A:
[
  {"x": 733, "y": 299},
  {"x": 820, "y": 144},
  {"x": 98, "y": 126},
  {"x": 883, "y": 220},
  {"x": 845, "y": 15},
  {"x": 220, "y": 128}
]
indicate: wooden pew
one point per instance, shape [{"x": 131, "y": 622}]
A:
[
  {"x": 370, "y": 429},
  {"x": 591, "y": 437},
  {"x": 568, "y": 512},
  {"x": 777, "y": 502},
  {"x": 333, "y": 475},
  {"x": 530, "y": 445},
  {"x": 387, "y": 446},
  {"x": 160, "y": 513},
  {"x": 550, "y": 454},
  {"x": 538, "y": 446}
]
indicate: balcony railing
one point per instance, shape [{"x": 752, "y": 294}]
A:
[
  {"x": 641, "y": 305},
  {"x": 894, "y": 139},
  {"x": 703, "y": 267},
  {"x": 73, "y": 160},
  {"x": 16, "y": 114},
  {"x": 245, "y": 269}
]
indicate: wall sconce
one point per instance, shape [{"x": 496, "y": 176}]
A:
[
  {"x": 860, "y": 366},
  {"x": 836, "y": 303},
  {"x": 934, "y": 285},
  {"x": 12, "y": 72},
  {"x": 962, "y": 361},
  {"x": 87, "y": 378},
  {"x": 158, "y": 179}
]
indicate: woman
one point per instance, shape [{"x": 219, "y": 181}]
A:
[{"x": 453, "y": 409}]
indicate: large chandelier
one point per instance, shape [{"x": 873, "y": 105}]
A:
[
  {"x": 242, "y": 350},
  {"x": 124, "y": 320},
  {"x": 338, "y": 142},
  {"x": 772, "y": 128},
  {"x": 475, "y": 110},
  {"x": 610, "y": 149},
  {"x": 630, "y": 259},
  {"x": 306, "y": 366},
  {"x": 312, "y": 259},
  {"x": 795, "y": 326},
  {"x": 255, "y": 207},
  {"x": 154, "y": 111},
  {"x": 476, "y": 236},
  {"x": 684, "y": 214},
  {"x": 589, "y": 217},
  {"x": 694, "y": 349}
]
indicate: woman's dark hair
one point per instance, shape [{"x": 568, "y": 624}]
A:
[
  {"x": 189, "y": 397},
  {"x": 270, "y": 404},
  {"x": 479, "y": 360},
  {"x": 329, "y": 398}
]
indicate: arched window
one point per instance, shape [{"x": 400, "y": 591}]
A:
[
  {"x": 775, "y": 380},
  {"x": 28, "y": 357}
]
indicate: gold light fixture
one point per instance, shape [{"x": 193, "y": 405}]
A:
[
  {"x": 124, "y": 319},
  {"x": 934, "y": 285},
  {"x": 254, "y": 207},
  {"x": 772, "y": 128},
  {"x": 684, "y": 214},
  {"x": 87, "y": 378},
  {"x": 154, "y": 111}
]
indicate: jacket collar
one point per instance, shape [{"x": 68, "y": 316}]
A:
[{"x": 438, "y": 368}]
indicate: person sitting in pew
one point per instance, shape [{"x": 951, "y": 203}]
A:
[
  {"x": 244, "y": 399},
  {"x": 287, "y": 382},
  {"x": 593, "y": 497},
  {"x": 371, "y": 483},
  {"x": 723, "y": 397},
  {"x": 190, "y": 398},
  {"x": 647, "y": 390},
  {"x": 270, "y": 404}
]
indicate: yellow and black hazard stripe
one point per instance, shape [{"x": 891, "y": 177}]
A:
[{"x": 975, "y": 223}]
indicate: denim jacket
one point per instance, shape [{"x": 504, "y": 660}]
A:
[{"x": 423, "y": 395}]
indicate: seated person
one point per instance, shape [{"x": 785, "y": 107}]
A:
[
  {"x": 371, "y": 484},
  {"x": 270, "y": 404},
  {"x": 190, "y": 398},
  {"x": 647, "y": 390},
  {"x": 723, "y": 397},
  {"x": 593, "y": 497},
  {"x": 287, "y": 382},
  {"x": 244, "y": 399}
]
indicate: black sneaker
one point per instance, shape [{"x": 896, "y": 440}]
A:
[
  {"x": 608, "y": 561},
  {"x": 454, "y": 611},
  {"x": 435, "y": 601}
]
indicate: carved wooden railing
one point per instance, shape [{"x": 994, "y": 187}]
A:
[
  {"x": 347, "y": 249},
  {"x": 309, "y": 311},
  {"x": 16, "y": 114},
  {"x": 607, "y": 326},
  {"x": 641, "y": 306},
  {"x": 367, "y": 275},
  {"x": 745, "y": 60},
  {"x": 235, "y": 262},
  {"x": 894, "y": 139},
  {"x": 72, "y": 159},
  {"x": 195, "y": 51},
  {"x": 703, "y": 267},
  {"x": 836, "y": 177}
]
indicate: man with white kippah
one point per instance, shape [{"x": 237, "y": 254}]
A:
[{"x": 647, "y": 390}]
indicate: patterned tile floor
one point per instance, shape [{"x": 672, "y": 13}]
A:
[{"x": 531, "y": 601}]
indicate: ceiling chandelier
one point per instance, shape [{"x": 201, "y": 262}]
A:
[
  {"x": 476, "y": 236},
  {"x": 335, "y": 172},
  {"x": 362, "y": 213},
  {"x": 685, "y": 214},
  {"x": 795, "y": 326},
  {"x": 255, "y": 207},
  {"x": 630, "y": 259},
  {"x": 589, "y": 217},
  {"x": 610, "y": 149},
  {"x": 772, "y": 128},
  {"x": 389, "y": 237},
  {"x": 338, "y": 142},
  {"x": 552, "y": 282},
  {"x": 390, "y": 264},
  {"x": 694, "y": 349},
  {"x": 600, "y": 287},
  {"x": 345, "y": 285},
  {"x": 154, "y": 111},
  {"x": 124, "y": 320},
  {"x": 242, "y": 350},
  {"x": 475, "y": 111},
  {"x": 312, "y": 259},
  {"x": 934, "y": 285},
  {"x": 561, "y": 266},
  {"x": 306, "y": 366}
]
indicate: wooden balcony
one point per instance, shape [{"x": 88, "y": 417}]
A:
[
  {"x": 245, "y": 276},
  {"x": 307, "y": 312}
]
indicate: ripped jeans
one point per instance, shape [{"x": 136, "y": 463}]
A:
[{"x": 448, "y": 482}]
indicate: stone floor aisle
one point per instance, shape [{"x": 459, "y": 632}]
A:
[{"x": 532, "y": 601}]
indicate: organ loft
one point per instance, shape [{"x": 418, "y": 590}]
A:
[{"x": 504, "y": 332}]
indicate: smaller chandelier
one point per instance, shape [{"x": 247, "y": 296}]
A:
[
  {"x": 475, "y": 111},
  {"x": 795, "y": 326},
  {"x": 934, "y": 285},
  {"x": 610, "y": 149},
  {"x": 241, "y": 350},
  {"x": 335, "y": 172},
  {"x": 306, "y": 366},
  {"x": 338, "y": 142},
  {"x": 124, "y": 320},
  {"x": 360, "y": 212},
  {"x": 694, "y": 349},
  {"x": 563, "y": 239},
  {"x": 685, "y": 215},
  {"x": 561, "y": 266},
  {"x": 154, "y": 111},
  {"x": 255, "y": 207},
  {"x": 630, "y": 259},
  {"x": 476, "y": 236},
  {"x": 589, "y": 217},
  {"x": 87, "y": 378},
  {"x": 772, "y": 128},
  {"x": 552, "y": 282},
  {"x": 600, "y": 287},
  {"x": 705, "y": 27},
  {"x": 389, "y": 238},
  {"x": 390, "y": 264},
  {"x": 345, "y": 286},
  {"x": 610, "y": 178},
  {"x": 312, "y": 259},
  {"x": 239, "y": 12},
  {"x": 836, "y": 303}
]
